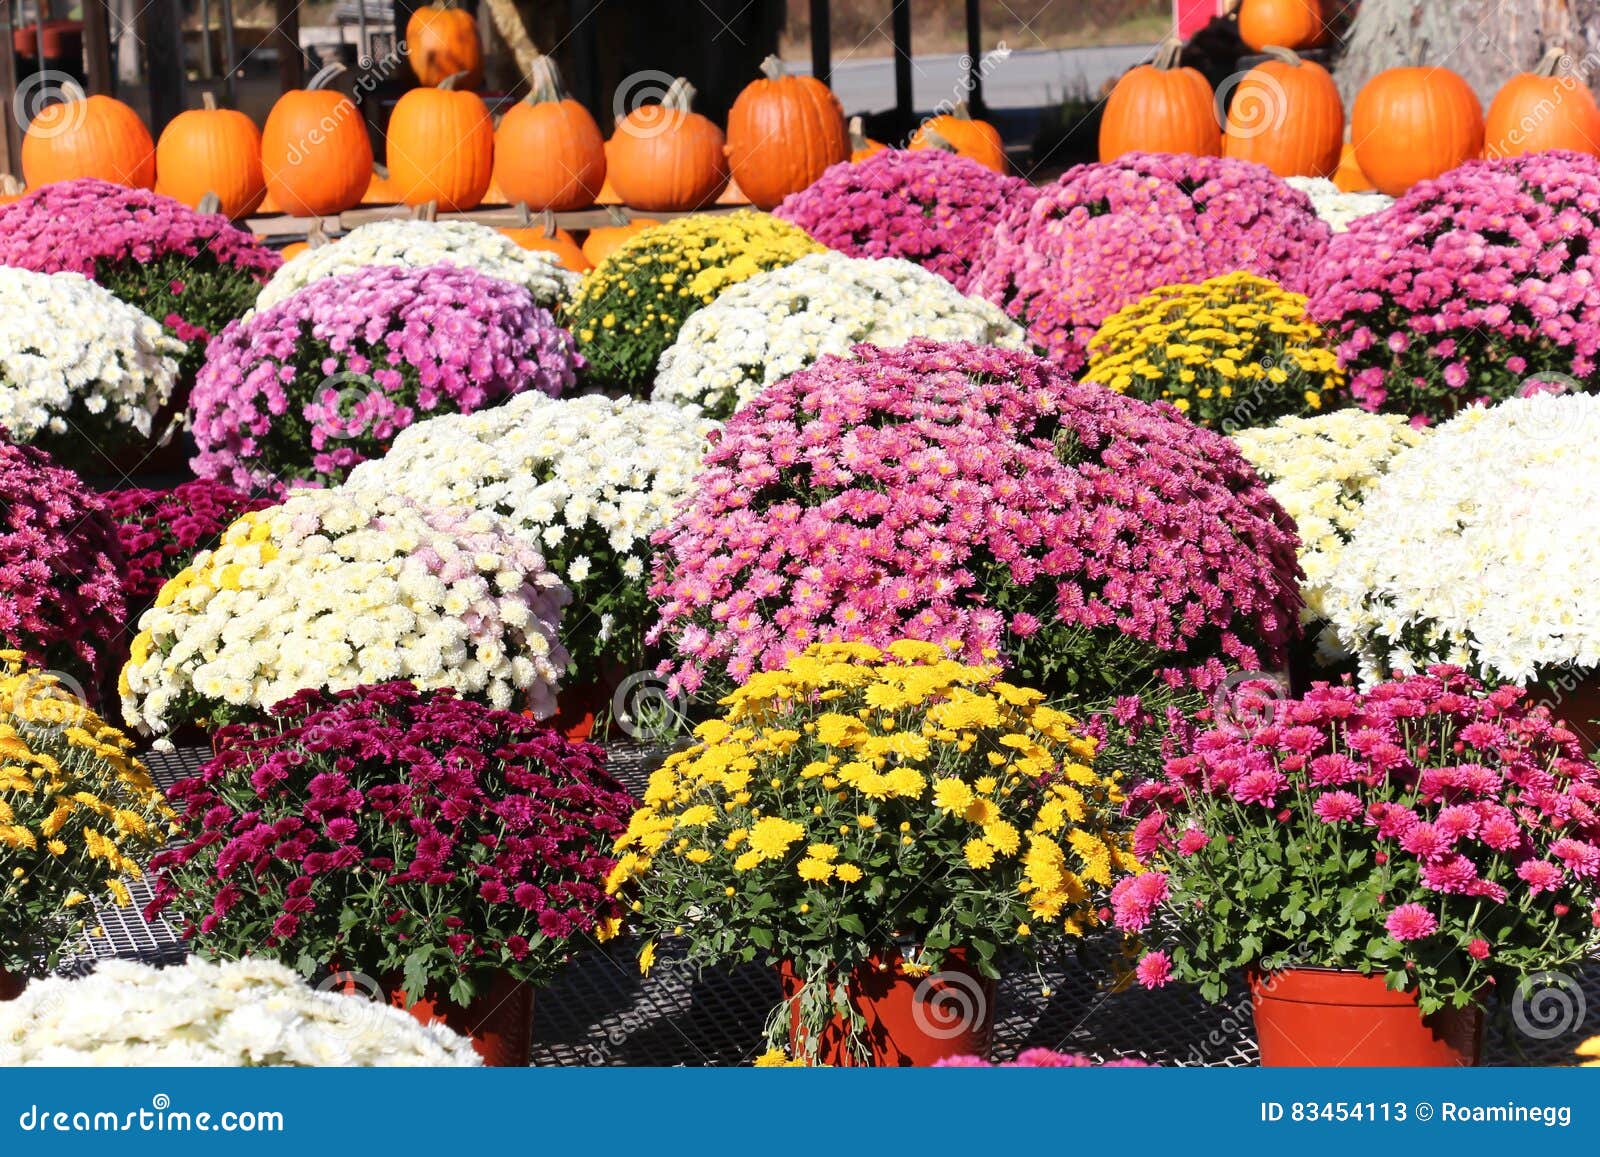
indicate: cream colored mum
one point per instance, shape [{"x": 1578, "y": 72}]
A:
[
  {"x": 779, "y": 322},
  {"x": 73, "y": 354},
  {"x": 420, "y": 243}
]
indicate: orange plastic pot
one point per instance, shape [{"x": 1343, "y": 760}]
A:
[
  {"x": 11, "y": 986},
  {"x": 910, "y": 1020},
  {"x": 1331, "y": 1018},
  {"x": 578, "y": 708},
  {"x": 499, "y": 1022}
]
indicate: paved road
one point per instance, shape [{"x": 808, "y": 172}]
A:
[{"x": 1029, "y": 79}]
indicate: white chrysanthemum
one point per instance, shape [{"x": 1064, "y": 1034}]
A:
[
  {"x": 779, "y": 322},
  {"x": 72, "y": 355},
  {"x": 586, "y": 481},
  {"x": 1318, "y": 469},
  {"x": 420, "y": 243},
  {"x": 1338, "y": 208},
  {"x": 1481, "y": 547},
  {"x": 242, "y": 1013},
  {"x": 334, "y": 589}
]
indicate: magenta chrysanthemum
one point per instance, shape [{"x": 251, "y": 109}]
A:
[
  {"x": 930, "y": 207},
  {"x": 1411, "y": 922},
  {"x": 62, "y": 603},
  {"x": 162, "y": 530},
  {"x": 307, "y": 388},
  {"x": 1154, "y": 969},
  {"x": 1135, "y": 899},
  {"x": 974, "y": 496},
  {"x": 1063, "y": 259},
  {"x": 193, "y": 272},
  {"x": 1469, "y": 286}
]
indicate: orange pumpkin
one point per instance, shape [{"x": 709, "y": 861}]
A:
[
  {"x": 548, "y": 237},
  {"x": 666, "y": 156},
  {"x": 1411, "y": 124},
  {"x": 1285, "y": 23},
  {"x": 316, "y": 238},
  {"x": 380, "y": 188},
  {"x": 861, "y": 147},
  {"x": 1543, "y": 110},
  {"x": 783, "y": 131},
  {"x": 212, "y": 150},
  {"x": 88, "y": 136},
  {"x": 441, "y": 147},
  {"x": 442, "y": 41},
  {"x": 978, "y": 140},
  {"x": 1286, "y": 114},
  {"x": 1161, "y": 107},
  {"x": 603, "y": 239},
  {"x": 315, "y": 154},
  {"x": 1349, "y": 177},
  {"x": 548, "y": 150}
]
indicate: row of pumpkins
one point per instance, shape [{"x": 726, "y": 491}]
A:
[
  {"x": 1408, "y": 124},
  {"x": 313, "y": 157}
]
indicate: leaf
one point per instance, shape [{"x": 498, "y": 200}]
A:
[
  {"x": 417, "y": 974},
  {"x": 852, "y": 923}
]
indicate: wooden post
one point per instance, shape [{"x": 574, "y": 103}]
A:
[
  {"x": 97, "y": 47},
  {"x": 163, "y": 40},
  {"x": 904, "y": 104},
  {"x": 821, "y": 42},
  {"x": 584, "y": 44},
  {"x": 286, "y": 38},
  {"x": 975, "y": 55},
  {"x": 11, "y": 138}
]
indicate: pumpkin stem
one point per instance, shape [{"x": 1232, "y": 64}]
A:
[
  {"x": 549, "y": 219},
  {"x": 934, "y": 139},
  {"x": 1284, "y": 55},
  {"x": 316, "y": 236},
  {"x": 1168, "y": 55},
  {"x": 210, "y": 203},
  {"x": 858, "y": 135},
  {"x": 427, "y": 211},
  {"x": 323, "y": 75},
  {"x": 1550, "y": 63},
  {"x": 680, "y": 95},
  {"x": 961, "y": 112},
  {"x": 208, "y": 101},
  {"x": 10, "y": 186},
  {"x": 772, "y": 68},
  {"x": 544, "y": 82},
  {"x": 618, "y": 215},
  {"x": 382, "y": 171},
  {"x": 448, "y": 84},
  {"x": 524, "y": 218}
]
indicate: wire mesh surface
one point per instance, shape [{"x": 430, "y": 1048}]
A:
[{"x": 600, "y": 1011}]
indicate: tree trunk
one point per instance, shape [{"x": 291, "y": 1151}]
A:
[{"x": 1486, "y": 41}]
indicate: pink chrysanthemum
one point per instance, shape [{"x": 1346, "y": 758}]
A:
[
  {"x": 1067, "y": 257},
  {"x": 1540, "y": 875},
  {"x": 1411, "y": 922},
  {"x": 1337, "y": 807},
  {"x": 1135, "y": 899},
  {"x": 1154, "y": 969}
]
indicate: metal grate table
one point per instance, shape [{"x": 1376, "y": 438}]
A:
[{"x": 600, "y": 1011}]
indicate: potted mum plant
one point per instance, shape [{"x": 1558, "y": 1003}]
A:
[
  {"x": 879, "y": 825},
  {"x": 449, "y": 851},
  {"x": 75, "y": 809},
  {"x": 1378, "y": 864}
]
